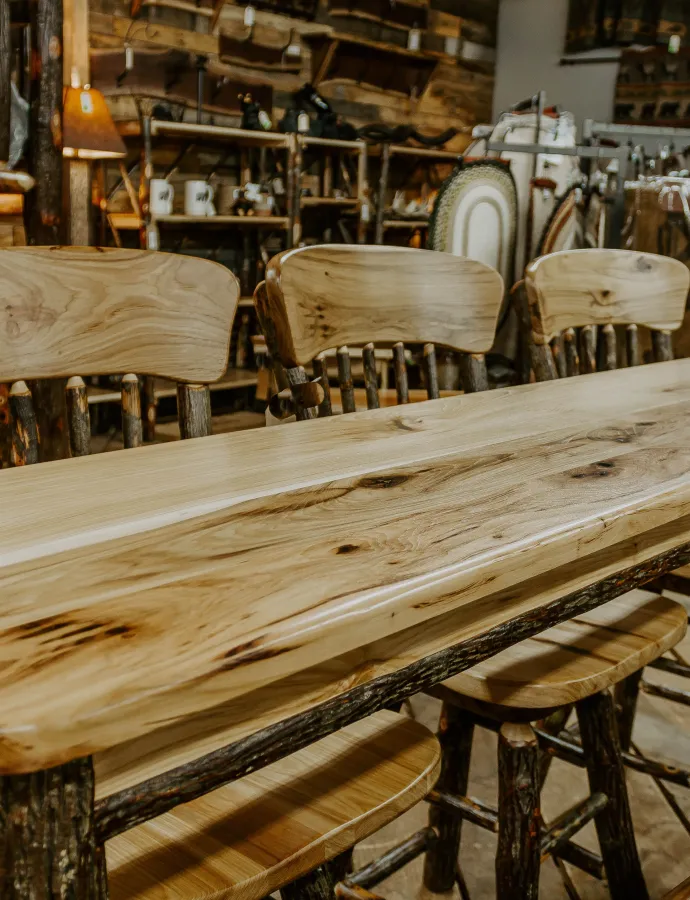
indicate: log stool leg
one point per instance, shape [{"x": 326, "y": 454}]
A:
[
  {"x": 47, "y": 836},
  {"x": 518, "y": 856},
  {"x": 625, "y": 695},
  {"x": 602, "y": 748},
  {"x": 456, "y": 730},
  {"x": 316, "y": 885}
]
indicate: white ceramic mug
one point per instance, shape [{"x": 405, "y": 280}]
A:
[
  {"x": 198, "y": 199},
  {"x": 162, "y": 194}
]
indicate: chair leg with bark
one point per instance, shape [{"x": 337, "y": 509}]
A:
[
  {"x": 456, "y": 731},
  {"x": 606, "y": 772},
  {"x": 518, "y": 858}
]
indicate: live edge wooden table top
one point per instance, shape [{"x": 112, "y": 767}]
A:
[{"x": 237, "y": 580}]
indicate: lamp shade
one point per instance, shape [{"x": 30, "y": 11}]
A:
[{"x": 88, "y": 128}]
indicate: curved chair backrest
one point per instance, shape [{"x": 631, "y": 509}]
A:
[
  {"x": 317, "y": 298},
  {"x": 584, "y": 289},
  {"x": 89, "y": 311}
]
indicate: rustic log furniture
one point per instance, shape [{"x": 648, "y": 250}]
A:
[
  {"x": 329, "y": 296},
  {"x": 323, "y": 296},
  {"x": 273, "y": 650},
  {"x": 93, "y": 311},
  {"x": 587, "y": 289},
  {"x": 274, "y": 605}
]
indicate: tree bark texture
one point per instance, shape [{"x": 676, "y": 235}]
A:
[
  {"x": 456, "y": 730},
  {"x": 47, "y": 835},
  {"x": 606, "y": 774}
]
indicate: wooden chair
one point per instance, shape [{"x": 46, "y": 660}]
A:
[
  {"x": 73, "y": 312},
  {"x": 324, "y": 296},
  {"x": 321, "y": 297}
]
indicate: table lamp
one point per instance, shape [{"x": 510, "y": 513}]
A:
[{"x": 89, "y": 133}]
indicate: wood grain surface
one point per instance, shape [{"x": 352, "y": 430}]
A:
[
  {"x": 327, "y": 296},
  {"x": 571, "y": 661},
  {"x": 682, "y": 892},
  {"x": 214, "y": 568},
  {"x": 90, "y": 311},
  {"x": 250, "y": 837},
  {"x": 574, "y": 288}
]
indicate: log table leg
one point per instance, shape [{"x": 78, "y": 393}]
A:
[
  {"x": 606, "y": 773},
  {"x": 625, "y": 695},
  {"x": 518, "y": 858},
  {"x": 456, "y": 731},
  {"x": 317, "y": 885},
  {"x": 47, "y": 836}
]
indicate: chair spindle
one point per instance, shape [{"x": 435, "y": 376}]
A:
[
  {"x": 132, "y": 429},
  {"x": 610, "y": 360},
  {"x": 431, "y": 371},
  {"x": 632, "y": 345},
  {"x": 321, "y": 373},
  {"x": 572, "y": 360},
  {"x": 558, "y": 353},
  {"x": 663, "y": 348},
  {"x": 588, "y": 350},
  {"x": 78, "y": 417},
  {"x": 194, "y": 410},
  {"x": 347, "y": 391},
  {"x": 24, "y": 427},
  {"x": 370, "y": 377},
  {"x": 401, "y": 383},
  {"x": 475, "y": 378}
]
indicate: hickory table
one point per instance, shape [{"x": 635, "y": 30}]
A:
[{"x": 226, "y": 601}]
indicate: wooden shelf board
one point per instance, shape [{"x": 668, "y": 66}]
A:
[
  {"x": 356, "y": 146},
  {"x": 328, "y": 201},
  {"x": 219, "y": 133},
  {"x": 428, "y": 152},
  {"x": 257, "y": 221}
]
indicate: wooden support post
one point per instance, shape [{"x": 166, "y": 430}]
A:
[
  {"x": 371, "y": 382},
  {"x": 382, "y": 192},
  {"x": 625, "y": 695},
  {"x": 473, "y": 372},
  {"x": 632, "y": 345},
  {"x": 317, "y": 885},
  {"x": 347, "y": 391},
  {"x": 194, "y": 410},
  {"x": 5, "y": 80},
  {"x": 662, "y": 346},
  {"x": 431, "y": 372},
  {"x": 150, "y": 409},
  {"x": 44, "y": 203},
  {"x": 78, "y": 418},
  {"x": 363, "y": 195},
  {"x": 572, "y": 360},
  {"x": 25, "y": 432},
  {"x": 518, "y": 856},
  {"x": 321, "y": 375},
  {"x": 148, "y": 234},
  {"x": 606, "y": 774},
  {"x": 76, "y": 63},
  {"x": 131, "y": 412},
  {"x": 588, "y": 355},
  {"x": 400, "y": 366},
  {"x": 558, "y": 353},
  {"x": 47, "y": 840},
  {"x": 456, "y": 730},
  {"x": 610, "y": 358}
]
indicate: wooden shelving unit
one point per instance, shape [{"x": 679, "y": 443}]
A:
[{"x": 384, "y": 221}]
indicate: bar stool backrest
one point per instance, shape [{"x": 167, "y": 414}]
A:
[
  {"x": 328, "y": 296},
  {"x": 573, "y": 292},
  {"x": 71, "y": 312}
]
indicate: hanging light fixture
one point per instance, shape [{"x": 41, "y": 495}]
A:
[{"x": 88, "y": 128}]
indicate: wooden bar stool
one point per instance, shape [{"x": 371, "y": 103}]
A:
[
  {"x": 574, "y": 303},
  {"x": 71, "y": 312},
  {"x": 336, "y": 295}
]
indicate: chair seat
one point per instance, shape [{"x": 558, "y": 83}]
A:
[
  {"x": 254, "y": 835},
  {"x": 576, "y": 659}
]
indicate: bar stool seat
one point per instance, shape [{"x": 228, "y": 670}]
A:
[
  {"x": 577, "y": 659},
  {"x": 253, "y": 836}
]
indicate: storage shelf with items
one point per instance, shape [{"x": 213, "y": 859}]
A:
[
  {"x": 331, "y": 194},
  {"x": 404, "y": 170}
]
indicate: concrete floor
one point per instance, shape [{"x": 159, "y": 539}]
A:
[{"x": 662, "y": 729}]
